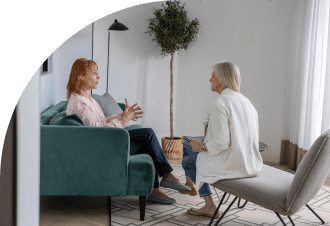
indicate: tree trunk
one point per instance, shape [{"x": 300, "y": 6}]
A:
[{"x": 171, "y": 96}]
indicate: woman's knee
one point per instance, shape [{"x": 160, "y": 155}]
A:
[
  {"x": 149, "y": 131},
  {"x": 187, "y": 162},
  {"x": 184, "y": 161}
]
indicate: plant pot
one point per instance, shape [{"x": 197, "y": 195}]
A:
[{"x": 172, "y": 147}]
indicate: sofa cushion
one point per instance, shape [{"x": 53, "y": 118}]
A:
[
  {"x": 268, "y": 190},
  {"x": 48, "y": 114},
  {"x": 108, "y": 104},
  {"x": 62, "y": 119}
]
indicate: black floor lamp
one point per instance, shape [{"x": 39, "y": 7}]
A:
[
  {"x": 92, "y": 46},
  {"x": 116, "y": 26}
]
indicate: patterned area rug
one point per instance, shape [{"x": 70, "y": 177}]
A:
[{"x": 92, "y": 211}]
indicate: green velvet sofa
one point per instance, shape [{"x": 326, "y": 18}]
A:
[{"x": 76, "y": 160}]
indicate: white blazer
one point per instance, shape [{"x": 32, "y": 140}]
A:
[{"x": 232, "y": 140}]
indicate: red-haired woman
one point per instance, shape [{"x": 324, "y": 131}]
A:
[{"x": 84, "y": 77}]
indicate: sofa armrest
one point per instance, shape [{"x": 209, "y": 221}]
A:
[
  {"x": 141, "y": 175},
  {"x": 76, "y": 160}
]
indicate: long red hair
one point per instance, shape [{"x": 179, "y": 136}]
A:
[{"x": 79, "y": 68}]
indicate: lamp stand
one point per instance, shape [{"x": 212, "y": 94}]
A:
[{"x": 108, "y": 60}]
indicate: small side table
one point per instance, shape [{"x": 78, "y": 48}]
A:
[{"x": 262, "y": 146}]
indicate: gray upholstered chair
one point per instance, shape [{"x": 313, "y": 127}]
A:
[{"x": 281, "y": 191}]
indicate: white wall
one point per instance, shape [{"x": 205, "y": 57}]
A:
[
  {"x": 77, "y": 46},
  {"x": 48, "y": 84},
  {"x": 53, "y": 85},
  {"x": 137, "y": 70},
  {"x": 28, "y": 154},
  {"x": 255, "y": 35}
]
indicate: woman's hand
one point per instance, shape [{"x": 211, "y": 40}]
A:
[
  {"x": 131, "y": 112},
  {"x": 196, "y": 146}
]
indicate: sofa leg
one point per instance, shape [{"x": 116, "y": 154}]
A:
[
  {"x": 142, "y": 204},
  {"x": 280, "y": 219},
  {"x": 109, "y": 209},
  {"x": 315, "y": 214}
]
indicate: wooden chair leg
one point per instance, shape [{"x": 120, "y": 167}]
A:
[
  {"x": 142, "y": 204},
  {"x": 109, "y": 209}
]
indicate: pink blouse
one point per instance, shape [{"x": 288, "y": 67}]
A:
[{"x": 91, "y": 113}]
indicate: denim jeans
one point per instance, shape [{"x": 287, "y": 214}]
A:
[
  {"x": 144, "y": 141},
  {"x": 189, "y": 165}
]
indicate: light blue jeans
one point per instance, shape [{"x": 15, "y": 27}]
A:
[{"x": 189, "y": 165}]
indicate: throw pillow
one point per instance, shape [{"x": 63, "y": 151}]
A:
[
  {"x": 70, "y": 120},
  {"x": 108, "y": 104}
]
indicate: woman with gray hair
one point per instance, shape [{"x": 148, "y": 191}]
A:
[{"x": 231, "y": 146}]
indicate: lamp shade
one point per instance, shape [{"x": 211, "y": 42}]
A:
[{"x": 117, "y": 26}]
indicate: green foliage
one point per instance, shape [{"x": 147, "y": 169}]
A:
[{"x": 171, "y": 28}]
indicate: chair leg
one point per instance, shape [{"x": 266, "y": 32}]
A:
[
  {"x": 239, "y": 203},
  {"x": 280, "y": 219},
  {"x": 291, "y": 221},
  {"x": 215, "y": 213},
  {"x": 142, "y": 204},
  {"x": 219, "y": 198},
  {"x": 226, "y": 200},
  {"x": 109, "y": 209},
  {"x": 224, "y": 213},
  {"x": 315, "y": 214}
]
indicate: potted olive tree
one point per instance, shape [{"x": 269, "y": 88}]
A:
[{"x": 173, "y": 31}]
